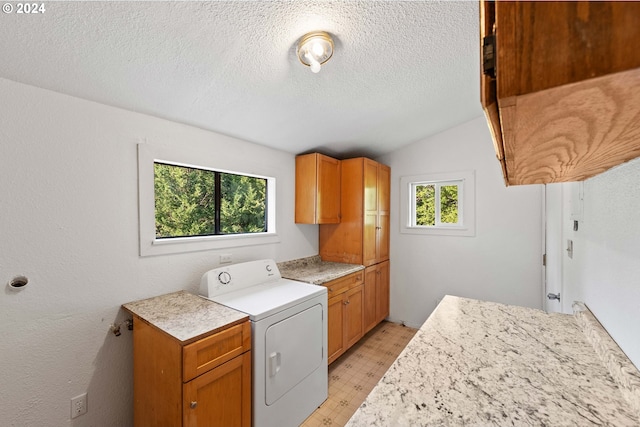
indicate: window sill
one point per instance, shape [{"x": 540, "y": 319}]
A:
[
  {"x": 439, "y": 231},
  {"x": 203, "y": 243}
]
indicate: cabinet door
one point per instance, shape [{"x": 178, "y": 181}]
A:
[
  {"x": 384, "y": 207},
  {"x": 382, "y": 297},
  {"x": 354, "y": 315},
  {"x": 328, "y": 192},
  {"x": 335, "y": 328},
  {"x": 220, "y": 397},
  {"x": 370, "y": 291},
  {"x": 317, "y": 189},
  {"x": 370, "y": 226}
]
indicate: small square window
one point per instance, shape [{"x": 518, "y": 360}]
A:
[{"x": 438, "y": 204}]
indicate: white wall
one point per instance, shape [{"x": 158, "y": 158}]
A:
[
  {"x": 501, "y": 263},
  {"x": 69, "y": 222},
  {"x": 605, "y": 270}
]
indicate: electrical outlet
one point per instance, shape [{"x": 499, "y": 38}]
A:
[
  {"x": 79, "y": 405},
  {"x": 225, "y": 258}
]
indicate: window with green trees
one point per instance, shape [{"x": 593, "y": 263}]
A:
[
  {"x": 200, "y": 202},
  {"x": 441, "y": 203},
  {"x": 436, "y": 204}
]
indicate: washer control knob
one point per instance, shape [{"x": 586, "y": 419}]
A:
[
  {"x": 224, "y": 278},
  {"x": 268, "y": 267}
]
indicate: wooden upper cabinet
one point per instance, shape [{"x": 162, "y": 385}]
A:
[
  {"x": 362, "y": 237},
  {"x": 317, "y": 189},
  {"x": 560, "y": 87}
]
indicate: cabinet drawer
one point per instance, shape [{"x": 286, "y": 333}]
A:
[
  {"x": 207, "y": 353},
  {"x": 338, "y": 286}
]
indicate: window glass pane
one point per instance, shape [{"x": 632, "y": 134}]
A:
[
  {"x": 184, "y": 201},
  {"x": 243, "y": 207},
  {"x": 425, "y": 205},
  {"x": 449, "y": 204}
]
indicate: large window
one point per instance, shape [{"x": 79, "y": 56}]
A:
[
  {"x": 188, "y": 203},
  {"x": 438, "y": 204},
  {"x": 198, "y": 202}
]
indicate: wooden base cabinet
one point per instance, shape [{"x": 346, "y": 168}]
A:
[
  {"x": 203, "y": 383},
  {"x": 345, "y": 313},
  {"x": 376, "y": 294}
]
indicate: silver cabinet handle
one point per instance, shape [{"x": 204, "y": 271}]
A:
[{"x": 193, "y": 405}]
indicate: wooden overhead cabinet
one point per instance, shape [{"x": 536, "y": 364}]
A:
[
  {"x": 362, "y": 236},
  {"x": 560, "y": 86},
  {"x": 317, "y": 189}
]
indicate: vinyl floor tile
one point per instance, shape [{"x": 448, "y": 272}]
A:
[{"x": 356, "y": 372}]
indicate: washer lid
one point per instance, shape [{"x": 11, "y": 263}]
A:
[{"x": 263, "y": 300}]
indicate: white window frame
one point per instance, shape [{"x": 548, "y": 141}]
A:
[
  {"x": 466, "y": 203},
  {"x": 150, "y": 245}
]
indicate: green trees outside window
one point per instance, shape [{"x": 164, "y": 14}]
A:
[
  {"x": 200, "y": 202},
  {"x": 431, "y": 213}
]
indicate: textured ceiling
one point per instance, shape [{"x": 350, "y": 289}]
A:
[{"x": 401, "y": 71}]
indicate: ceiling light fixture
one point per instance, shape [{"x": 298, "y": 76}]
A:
[{"x": 314, "y": 49}]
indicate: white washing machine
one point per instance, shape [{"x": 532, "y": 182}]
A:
[{"x": 288, "y": 337}]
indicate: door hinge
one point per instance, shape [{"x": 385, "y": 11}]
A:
[
  {"x": 553, "y": 296},
  {"x": 489, "y": 55}
]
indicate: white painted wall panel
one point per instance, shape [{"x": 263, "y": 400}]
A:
[
  {"x": 69, "y": 222},
  {"x": 502, "y": 262},
  {"x": 605, "y": 270}
]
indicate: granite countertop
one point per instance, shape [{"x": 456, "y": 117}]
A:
[
  {"x": 185, "y": 316},
  {"x": 477, "y": 363},
  {"x": 314, "y": 270}
]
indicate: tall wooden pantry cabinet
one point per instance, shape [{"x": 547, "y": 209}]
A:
[{"x": 362, "y": 236}]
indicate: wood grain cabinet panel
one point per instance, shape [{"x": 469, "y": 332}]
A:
[
  {"x": 345, "y": 318},
  {"x": 354, "y": 312},
  {"x": 563, "y": 100},
  {"x": 362, "y": 236},
  {"x": 376, "y": 294},
  {"x": 204, "y": 383},
  {"x": 317, "y": 189},
  {"x": 336, "y": 344},
  {"x": 216, "y": 397}
]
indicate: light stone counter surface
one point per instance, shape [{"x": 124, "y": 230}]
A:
[
  {"x": 477, "y": 363},
  {"x": 185, "y": 316},
  {"x": 314, "y": 270}
]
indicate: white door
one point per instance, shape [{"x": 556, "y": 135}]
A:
[
  {"x": 294, "y": 349},
  {"x": 553, "y": 247}
]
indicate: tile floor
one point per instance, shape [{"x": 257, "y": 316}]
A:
[{"x": 356, "y": 372}]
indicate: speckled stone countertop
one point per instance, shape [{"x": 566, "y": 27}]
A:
[
  {"x": 314, "y": 270},
  {"x": 477, "y": 363},
  {"x": 185, "y": 316}
]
